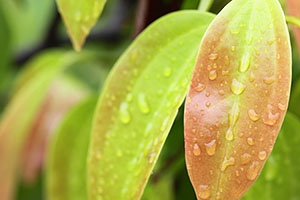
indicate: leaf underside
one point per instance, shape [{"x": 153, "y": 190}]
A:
[
  {"x": 237, "y": 99},
  {"x": 139, "y": 103}
]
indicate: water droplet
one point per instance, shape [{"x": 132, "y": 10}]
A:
[
  {"x": 196, "y": 150},
  {"x": 234, "y": 31},
  {"x": 269, "y": 80},
  {"x": 78, "y": 16},
  {"x": 119, "y": 153},
  {"x": 143, "y": 103},
  {"x": 252, "y": 77},
  {"x": 270, "y": 42},
  {"x": 226, "y": 163},
  {"x": 271, "y": 26},
  {"x": 271, "y": 118},
  {"x": 262, "y": 155},
  {"x": 237, "y": 87},
  {"x": 207, "y": 94},
  {"x": 167, "y": 72},
  {"x": 225, "y": 72},
  {"x": 212, "y": 75},
  {"x": 245, "y": 63},
  {"x": 200, "y": 87},
  {"x": 232, "y": 48},
  {"x": 229, "y": 134},
  {"x": 281, "y": 106},
  {"x": 204, "y": 192},
  {"x": 250, "y": 141},
  {"x": 129, "y": 97},
  {"x": 207, "y": 104},
  {"x": 211, "y": 148},
  {"x": 151, "y": 157},
  {"x": 253, "y": 171},
  {"x": 124, "y": 114},
  {"x": 221, "y": 92},
  {"x": 196, "y": 105},
  {"x": 245, "y": 158},
  {"x": 188, "y": 99},
  {"x": 253, "y": 115},
  {"x": 213, "y": 56}
]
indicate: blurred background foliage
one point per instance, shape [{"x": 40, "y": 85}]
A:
[{"x": 29, "y": 28}]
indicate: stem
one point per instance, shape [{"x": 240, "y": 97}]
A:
[
  {"x": 205, "y": 5},
  {"x": 293, "y": 20}
]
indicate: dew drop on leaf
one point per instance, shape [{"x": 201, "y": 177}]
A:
[
  {"x": 271, "y": 118},
  {"x": 211, "y": 148},
  {"x": 124, "y": 114},
  {"x": 237, "y": 87},
  {"x": 226, "y": 163},
  {"x": 262, "y": 155},
  {"x": 281, "y": 106},
  {"x": 253, "y": 170},
  {"x": 245, "y": 63},
  {"x": 167, "y": 72},
  {"x": 213, "y": 56},
  {"x": 200, "y": 87},
  {"x": 204, "y": 192},
  {"x": 245, "y": 158},
  {"x": 212, "y": 75},
  {"x": 253, "y": 115},
  {"x": 269, "y": 80},
  {"x": 229, "y": 134},
  {"x": 250, "y": 141},
  {"x": 196, "y": 150},
  {"x": 143, "y": 103}
]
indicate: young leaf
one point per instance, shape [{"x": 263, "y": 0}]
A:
[
  {"x": 238, "y": 98},
  {"x": 139, "y": 103},
  {"x": 280, "y": 177},
  {"x": 80, "y": 16},
  {"x": 66, "y": 167}
]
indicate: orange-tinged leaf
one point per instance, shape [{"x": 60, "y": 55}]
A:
[
  {"x": 293, "y": 7},
  {"x": 238, "y": 98}
]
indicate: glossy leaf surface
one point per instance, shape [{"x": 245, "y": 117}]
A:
[
  {"x": 139, "y": 103},
  {"x": 280, "y": 176},
  {"x": 238, "y": 98},
  {"x": 79, "y": 17},
  {"x": 66, "y": 169}
]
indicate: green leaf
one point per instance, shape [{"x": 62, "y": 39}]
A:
[
  {"x": 280, "y": 176},
  {"x": 139, "y": 103},
  {"x": 66, "y": 167},
  {"x": 80, "y": 16},
  {"x": 20, "y": 115},
  {"x": 238, "y": 98},
  {"x": 294, "y": 106}
]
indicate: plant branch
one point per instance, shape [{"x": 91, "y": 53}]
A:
[{"x": 293, "y": 20}]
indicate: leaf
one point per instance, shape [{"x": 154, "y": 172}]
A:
[
  {"x": 294, "y": 106},
  {"x": 79, "y": 17},
  {"x": 19, "y": 116},
  {"x": 280, "y": 176},
  {"x": 66, "y": 167},
  {"x": 238, "y": 98},
  {"x": 293, "y": 7},
  {"x": 139, "y": 103}
]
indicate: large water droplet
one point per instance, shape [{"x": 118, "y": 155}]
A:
[
  {"x": 229, "y": 134},
  {"x": 250, "y": 141},
  {"x": 237, "y": 87},
  {"x": 211, "y": 148},
  {"x": 124, "y": 114},
  {"x": 281, "y": 106},
  {"x": 262, "y": 155},
  {"x": 253, "y": 171},
  {"x": 196, "y": 150},
  {"x": 253, "y": 115},
  {"x": 213, "y": 56},
  {"x": 212, "y": 75},
  {"x": 271, "y": 118},
  {"x": 227, "y": 162},
  {"x": 200, "y": 87},
  {"x": 245, "y": 63},
  {"x": 204, "y": 192},
  {"x": 167, "y": 72},
  {"x": 269, "y": 80},
  {"x": 245, "y": 158},
  {"x": 143, "y": 103}
]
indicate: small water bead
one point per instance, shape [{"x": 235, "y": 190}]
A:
[
  {"x": 225, "y": 72},
  {"x": 271, "y": 41},
  {"x": 281, "y": 106},
  {"x": 167, "y": 72},
  {"x": 124, "y": 114},
  {"x": 188, "y": 99},
  {"x": 151, "y": 157},
  {"x": 212, "y": 75},
  {"x": 252, "y": 77},
  {"x": 245, "y": 158},
  {"x": 207, "y": 94},
  {"x": 221, "y": 92},
  {"x": 232, "y": 48},
  {"x": 200, "y": 87},
  {"x": 237, "y": 87},
  {"x": 143, "y": 103},
  {"x": 245, "y": 63},
  {"x": 129, "y": 97},
  {"x": 213, "y": 56},
  {"x": 250, "y": 141},
  {"x": 207, "y": 104},
  {"x": 196, "y": 150},
  {"x": 262, "y": 155},
  {"x": 211, "y": 148},
  {"x": 204, "y": 192},
  {"x": 269, "y": 80},
  {"x": 234, "y": 31},
  {"x": 253, "y": 171},
  {"x": 226, "y": 163},
  {"x": 253, "y": 115}
]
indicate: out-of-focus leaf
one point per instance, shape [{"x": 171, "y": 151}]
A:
[
  {"x": 63, "y": 93},
  {"x": 294, "y": 105},
  {"x": 139, "y": 103},
  {"x": 66, "y": 166},
  {"x": 5, "y": 44},
  {"x": 19, "y": 115},
  {"x": 160, "y": 190},
  {"x": 238, "y": 98},
  {"x": 280, "y": 176},
  {"x": 80, "y": 16},
  {"x": 293, "y": 7}
]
